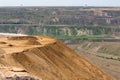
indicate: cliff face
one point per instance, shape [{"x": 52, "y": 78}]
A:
[{"x": 46, "y": 58}]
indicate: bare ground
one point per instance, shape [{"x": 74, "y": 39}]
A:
[
  {"x": 112, "y": 67},
  {"x": 45, "y": 58}
]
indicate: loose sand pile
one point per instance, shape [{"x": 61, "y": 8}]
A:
[{"x": 50, "y": 59}]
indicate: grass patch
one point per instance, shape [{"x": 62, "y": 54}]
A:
[
  {"x": 118, "y": 59},
  {"x": 85, "y": 36}
]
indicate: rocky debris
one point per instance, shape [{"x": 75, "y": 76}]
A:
[{"x": 20, "y": 78}]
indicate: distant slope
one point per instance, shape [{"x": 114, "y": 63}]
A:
[
  {"x": 61, "y": 21},
  {"x": 106, "y": 55}
]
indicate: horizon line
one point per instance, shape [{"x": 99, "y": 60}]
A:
[{"x": 64, "y": 6}]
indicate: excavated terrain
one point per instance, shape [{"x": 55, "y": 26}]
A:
[{"x": 44, "y": 58}]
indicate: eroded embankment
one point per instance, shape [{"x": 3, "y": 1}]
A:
[{"x": 52, "y": 60}]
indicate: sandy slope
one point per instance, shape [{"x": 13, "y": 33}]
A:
[{"x": 46, "y": 58}]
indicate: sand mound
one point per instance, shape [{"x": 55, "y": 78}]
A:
[{"x": 54, "y": 61}]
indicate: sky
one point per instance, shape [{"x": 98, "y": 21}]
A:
[{"x": 115, "y": 3}]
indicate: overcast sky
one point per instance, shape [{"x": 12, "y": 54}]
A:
[{"x": 60, "y": 2}]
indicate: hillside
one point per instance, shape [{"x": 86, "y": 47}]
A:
[
  {"x": 45, "y": 58},
  {"x": 61, "y": 22},
  {"x": 104, "y": 54}
]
